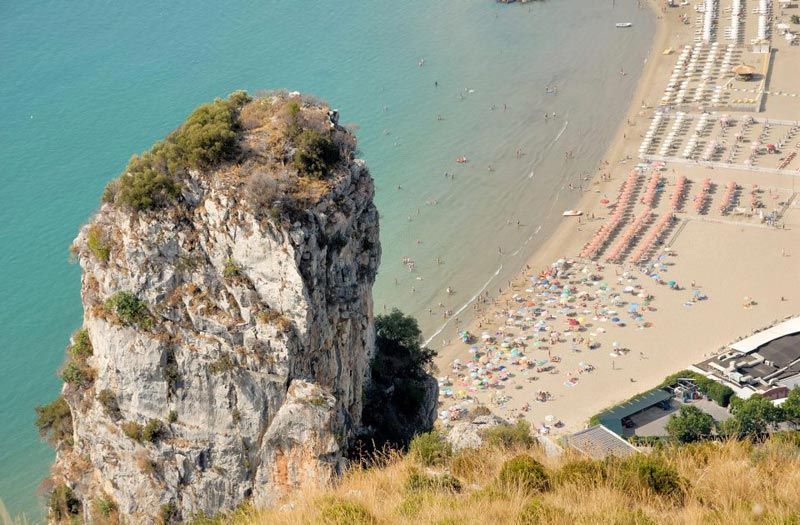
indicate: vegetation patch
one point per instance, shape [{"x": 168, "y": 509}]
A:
[
  {"x": 207, "y": 138},
  {"x": 469, "y": 464},
  {"x": 54, "y": 422},
  {"x": 334, "y": 511},
  {"x": 150, "y": 433},
  {"x": 97, "y": 243},
  {"x": 130, "y": 310},
  {"x": 108, "y": 400},
  {"x": 316, "y": 153},
  {"x": 104, "y": 506},
  {"x": 221, "y": 365},
  {"x": 78, "y": 374},
  {"x": 430, "y": 449},
  {"x": 690, "y": 424},
  {"x": 393, "y": 402},
  {"x": 586, "y": 472},
  {"x": 715, "y": 391},
  {"x": 525, "y": 473},
  {"x": 231, "y": 270},
  {"x": 81, "y": 346},
  {"x": 420, "y": 482},
  {"x": 752, "y": 418},
  {"x": 63, "y": 504},
  {"x": 169, "y": 514},
  {"x": 649, "y": 474},
  {"x": 510, "y": 436}
]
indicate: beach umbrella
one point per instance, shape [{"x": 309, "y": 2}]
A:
[{"x": 615, "y": 344}]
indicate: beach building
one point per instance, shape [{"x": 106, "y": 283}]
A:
[
  {"x": 598, "y": 442},
  {"x": 619, "y": 417},
  {"x": 766, "y": 363}
]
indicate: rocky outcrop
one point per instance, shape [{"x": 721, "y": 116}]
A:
[
  {"x": 229, "y": 346},
  {"x": 469, "y": 434}
]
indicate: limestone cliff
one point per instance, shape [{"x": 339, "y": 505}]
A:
[{"x": 229, "y": 310}]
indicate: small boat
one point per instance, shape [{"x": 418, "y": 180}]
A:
[
  {"x": 572, "y": 213},
  {"x": 624, "y": 24},
  {"x": 461, "y": 160}
]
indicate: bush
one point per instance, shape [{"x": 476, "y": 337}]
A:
[
  {"x": 172, "y": 417},
  {"x": 133, "y": 430},
  {"x": 108, "y": 400},
  {"x": 642, "y": 472},
  {"x": 419, "y": 482},
  {"x": 795, "y": 19},
  {"x": 97, "y": 243},
  {"x": 206, "y": 138},
  {"x": 153, "y": 431},
  {"x": 144, "y": 188},
  {"x": 150, "y": 433},
  {"x": 63, "y": 504},
  {"x": 525, "y": 473},
  {"x": 231, "y": 269},
  {"x": 315, "y": 154},
  {"x": 77, "y": 374},
  {"x": 430, "y": 449},
  {"x": 690, "y": 424},
  {"x": 104, "y": 506},
  {"x": 341, "y": 512},
  {"x": 54, "y": 421},
  {"x": 168, "y": 513},
  {"x": 468, "y": 464},
  {"x": 130, "y": 310},
  {"x": 81, "y": 344},
  {"x": 510, "y": 436},
  {"x": 221, "y": 365},
  {"x": 585, "y": 472}
]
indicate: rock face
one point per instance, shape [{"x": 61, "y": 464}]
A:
[
  {"x": 467, "y": 434},
  {"x": 253, "y": 358}
]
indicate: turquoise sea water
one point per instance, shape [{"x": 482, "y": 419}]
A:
[{"x": 83, "y": 85}]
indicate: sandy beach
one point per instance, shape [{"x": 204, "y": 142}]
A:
[{"x": 726, "y": 262}]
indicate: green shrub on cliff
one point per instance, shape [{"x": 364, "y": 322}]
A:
[
  {"x": 77, "y": 374},
  {"x": 208, "y": 137},
  {"x": 63, "y": 504},
  {"x": 316, "y": 153},
  {"x": 54, "y": 421},
  {"x": 97, "y": 243},
  {"x": 130, "y": 310},
  {"x": 108, "y": 400},
  {"x": 81, "y": 344}
]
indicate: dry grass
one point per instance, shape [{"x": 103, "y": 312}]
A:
[{"x": 719, "y": 483}]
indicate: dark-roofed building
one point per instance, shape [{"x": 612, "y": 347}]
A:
[
  {"x": 614, "y": 418},
  {"x": 599, "y": 442},
  {"x": 766, "y": 363}
]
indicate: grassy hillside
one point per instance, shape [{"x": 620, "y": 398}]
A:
[{"x": 709, "y": 482}]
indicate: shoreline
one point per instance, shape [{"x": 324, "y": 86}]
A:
[
  {"x": 562, "y": 237},
  {"x": 715, "y": 252}
]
